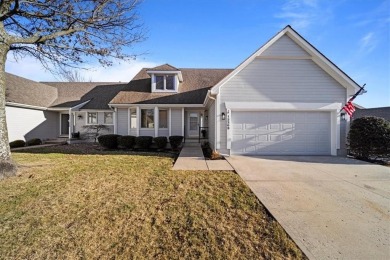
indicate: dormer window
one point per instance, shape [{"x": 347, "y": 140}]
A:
[
  {"x": 165, "y": 78},
  {"x": 165, "y": 82}
]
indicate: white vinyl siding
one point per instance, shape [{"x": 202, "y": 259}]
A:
[
  {"x": 146, "y": 132},
  {"x": 79, "y": 123},
  {"x": 281, "y": 133},
  {"x": 25, "y": 124},
  {"x": 122, "y": 121},
  {"x": 163, "y": 132},
  {"x": 283, "y": 81},
  {"x": 285, "y": 47},
  {"x": 176, "y": 121}
]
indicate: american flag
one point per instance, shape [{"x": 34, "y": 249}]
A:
[{"x": 349, "y": 107}]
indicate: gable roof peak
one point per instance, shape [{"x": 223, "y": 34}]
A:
[
  {"x": 164, "y": 67},
  {"x": 319, "y": 58}
]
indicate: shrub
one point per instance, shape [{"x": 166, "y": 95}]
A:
[
  {"x": 161, "y": 142},
  {"x": 126, "y": 141},
  {"x": 34, "y": 141},
  {"x": 17, "y": 143},
  {"x": 369, "y": 137},
  {"x": 175, "y": 141},
  {"x": 143, "y": 142},
  {"x": 109, "y": 141}
]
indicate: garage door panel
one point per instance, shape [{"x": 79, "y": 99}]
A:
[{"x": 285, "y": 133}]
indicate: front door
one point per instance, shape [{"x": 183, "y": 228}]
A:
[
  {"x": 64, "y": 124},
  {"x": 193, "y": 124}
]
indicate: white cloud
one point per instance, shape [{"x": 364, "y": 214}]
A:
[
  {"x": 123, "y": 72},
  {"x": 368, "y": 42},
  {"x": 30, "y": 68},
  {"x": 301, "y": 14}
]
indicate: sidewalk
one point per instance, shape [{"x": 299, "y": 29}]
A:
[{"x": 191, "y": 158}]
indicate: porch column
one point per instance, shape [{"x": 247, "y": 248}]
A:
[
  {"x": 70, "y": 124},
  {"x": 115, "y": 121},
  {"x": 138, "y": 115},
  {"x": 169, "y": 122},
  {"x": 182, "y": 121},
  {"x": 156, "y": 121}
]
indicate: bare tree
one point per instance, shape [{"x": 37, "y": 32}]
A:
[{"x": 63, "y": 34}]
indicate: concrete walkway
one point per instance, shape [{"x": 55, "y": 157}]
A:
[
  {"x": 191, "y": 158},
  {"x": 332, "y": 207}
]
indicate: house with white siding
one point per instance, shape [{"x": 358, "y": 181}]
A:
[{"x": 285, "y": 99}]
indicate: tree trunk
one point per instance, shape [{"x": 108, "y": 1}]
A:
[{"x": 7, "y": 167}]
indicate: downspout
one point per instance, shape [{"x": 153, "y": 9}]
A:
[{"x": 215, "y": 118}]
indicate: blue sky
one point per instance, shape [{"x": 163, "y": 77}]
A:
[{"x": 354, "y": 34}]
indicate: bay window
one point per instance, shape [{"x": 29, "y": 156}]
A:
[
  {"x": 147, "y": 118},
  {"x": 162, "y": 119}
]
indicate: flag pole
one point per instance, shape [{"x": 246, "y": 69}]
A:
[{"x": 349, "y": 108}]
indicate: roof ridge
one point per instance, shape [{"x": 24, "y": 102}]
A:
[
  {"x": 78, "y": 82},
  {"x": 164, "y": 65}
]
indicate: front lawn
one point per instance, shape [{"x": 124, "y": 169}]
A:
[{"x": 118, "y": 205}]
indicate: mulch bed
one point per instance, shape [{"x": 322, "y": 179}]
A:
[{"x": 95, "y": 148}]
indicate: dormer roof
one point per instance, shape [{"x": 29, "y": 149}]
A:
[{"x": 166, "y": 69}]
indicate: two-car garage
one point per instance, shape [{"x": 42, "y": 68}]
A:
[{"x": 281, "y": 132}]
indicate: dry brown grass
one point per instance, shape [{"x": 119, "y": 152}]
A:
[{"x": 129, "y": 206}]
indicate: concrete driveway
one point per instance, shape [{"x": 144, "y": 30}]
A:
[{"x": 333, "y": 207}]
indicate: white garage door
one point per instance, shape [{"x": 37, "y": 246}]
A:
[{"x": 281, "y": 133}]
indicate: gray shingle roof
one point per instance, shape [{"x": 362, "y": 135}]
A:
[
  {"x": 383, "y": 112},
  {"x": 74, "y": 93},
  {"x": 193, "y": 89},
  {"x": 24, "y": 91}
]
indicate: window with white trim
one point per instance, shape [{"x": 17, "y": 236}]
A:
[
  {"x": 165, "y": 82},
  {"x": 92, "y": 118},
  {"x": 133, "y": 118},
  {"x": 108, "y": 118},
  {"x": 147, "y": 118},
  {"x": 163, "y": 119}
]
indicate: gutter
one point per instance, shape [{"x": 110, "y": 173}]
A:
[
  {"x": 25, "y": 106},
  {"x": 208, "y": 96}
]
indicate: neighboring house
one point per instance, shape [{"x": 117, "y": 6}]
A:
[
  {"x": 285, "y": 99},
  {"x": 383, "y": 112}
]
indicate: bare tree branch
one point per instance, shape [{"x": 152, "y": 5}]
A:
[{"x": 64, "y": 34}]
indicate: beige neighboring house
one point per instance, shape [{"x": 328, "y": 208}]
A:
[{"x": 285, "y": 99}]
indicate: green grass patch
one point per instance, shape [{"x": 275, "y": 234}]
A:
[{"x": 113, "y": 205}]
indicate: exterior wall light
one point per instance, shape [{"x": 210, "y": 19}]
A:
[
  {"x": 80, "y": 117},
  {"x": 223, "y": 116},
  {"x": 342, "y": 115}
]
